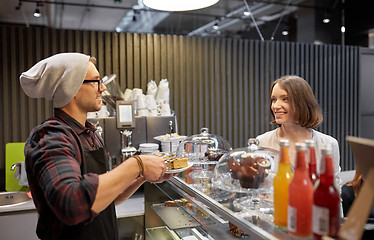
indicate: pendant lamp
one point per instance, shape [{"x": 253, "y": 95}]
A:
[{"x": 178, "y": 5}]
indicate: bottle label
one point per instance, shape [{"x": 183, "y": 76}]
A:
[
  {"x": 291, "y": 219},
  {"x": 320, "y": 220}
]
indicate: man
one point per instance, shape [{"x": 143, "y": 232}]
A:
[{"x": 66, "y": 164}]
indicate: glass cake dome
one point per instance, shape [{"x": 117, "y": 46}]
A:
[
  {"x": 203, "y": 148},
  {"x": 244, "y": 170}
]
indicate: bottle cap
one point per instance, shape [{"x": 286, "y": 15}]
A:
[
  {"x": 310, "y": 143},
  {"x": 301, "y": 146},
  {"x": 284, "y": 143},
  {"x": 327, "y": 149}
]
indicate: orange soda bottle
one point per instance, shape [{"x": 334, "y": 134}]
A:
[
  {"x": 281, "y": 182},
  {"x": 300, "y": 197}
]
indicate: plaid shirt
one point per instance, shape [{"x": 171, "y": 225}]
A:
[{"x": 63, "y": 196}]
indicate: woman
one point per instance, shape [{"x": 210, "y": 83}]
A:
[
  {"x": 350, "y": 191},
  {"x": 296, "y": 111}
]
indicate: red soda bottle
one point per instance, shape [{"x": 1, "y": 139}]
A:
[
  {"x": 326, "y": 199},
  {"x": 312, "y": 160},
  {"x": 300, "y": 197}
]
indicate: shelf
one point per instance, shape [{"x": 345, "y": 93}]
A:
[{"x": 213, "y": 216}]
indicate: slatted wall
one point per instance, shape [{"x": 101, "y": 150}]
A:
[{"x": 222, "y": 84}]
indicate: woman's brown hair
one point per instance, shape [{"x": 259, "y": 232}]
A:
[{"x": 304, "y": 105}]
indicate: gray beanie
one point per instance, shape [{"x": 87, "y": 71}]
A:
[{"x": 56, "y": 78}]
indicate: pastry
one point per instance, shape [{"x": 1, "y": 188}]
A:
[
  {"x": 236, "y": 231},
  {"x": 213, "y": 155},
  {"x": 177, "y": 163},
  {"x": 252, "y": 171}
]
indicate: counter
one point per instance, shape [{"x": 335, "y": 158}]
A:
[
  {"x": 134, "y": 206},
  {"x": 210, "y": 215},
  {"x": 195, "y": 212},
  {"x": 19, "y": 221}
]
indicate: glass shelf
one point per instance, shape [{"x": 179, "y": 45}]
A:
[{"x": 207, "y": 214}]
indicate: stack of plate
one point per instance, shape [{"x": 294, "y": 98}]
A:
[
  {"x": 167, "y": 142},
  {"x": 148, "y": 148},
  {"x": 165, "y": 146}
]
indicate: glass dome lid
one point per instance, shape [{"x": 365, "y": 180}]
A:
[
  {"x": 246, "y": 169},
  {"x": 203, "y": 148}
]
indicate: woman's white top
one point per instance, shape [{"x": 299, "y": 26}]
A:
[{"x": 270, "y": 140}]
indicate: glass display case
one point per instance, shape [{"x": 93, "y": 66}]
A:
[
  {"x": 203, "y": 148},
  {"x": 176, "y": 209}
]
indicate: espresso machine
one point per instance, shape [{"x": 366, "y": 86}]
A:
[
  {"x": 121, "y": 129},
  {"x": 121, "y": 144}
]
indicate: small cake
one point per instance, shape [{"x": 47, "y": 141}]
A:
[
  {"x": 177, "y": 163},
  {"x": 176, "y": 203},
  {"x": 252, "y": 171},
  {"x": 213, "y": 155},
  {"x": 236, "y": 231},
  {"x": 234, "y": 164}
]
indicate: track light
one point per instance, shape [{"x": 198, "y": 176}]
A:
[
  {"x": 37, "y": 13},
  {"x": 284, "y": 32},
  {"x": 326, "y": 18}
]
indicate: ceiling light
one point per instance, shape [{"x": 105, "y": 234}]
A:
[
  {"x": 215, "y": 27},
  {"x": 178, "y": 5},
  {"x": 37, "y": 13},
  {"x": 285, "y": 33},
  {"x": 326, "y": 17},
  {"x": 247, "y": 13},
  {"x": 342, "y": 29},
  {"x": 326, "y": 20}
]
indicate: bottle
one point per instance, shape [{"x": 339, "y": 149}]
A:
[
  {"x": 300, "y": 197},
  {"x": 312, "y": 160},
  {"x": 281, "y": 182},
  {"x": 326, "y": 199}
]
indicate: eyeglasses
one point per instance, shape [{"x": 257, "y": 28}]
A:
[{"x": 99, "y": 82}]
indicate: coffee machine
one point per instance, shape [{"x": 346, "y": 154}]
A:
[{"x": 143, "y": 131}]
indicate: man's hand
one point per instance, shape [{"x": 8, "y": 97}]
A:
[{"x": 166, "y": 176}]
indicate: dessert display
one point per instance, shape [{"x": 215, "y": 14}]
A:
[
  {"x": 246, "y": 169},
  {"x": 203, "y": 148},
  {"x": 169, "y": 136}
]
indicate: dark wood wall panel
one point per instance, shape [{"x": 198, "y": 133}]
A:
[{"x": 222, "y": 84}]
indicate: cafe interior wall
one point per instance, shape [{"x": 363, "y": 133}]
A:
[{"x": 219, "y": 83}]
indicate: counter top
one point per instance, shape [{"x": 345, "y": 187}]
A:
[
  {"x": 134, "y": 206},
  {"x": 25, "y": 206}
]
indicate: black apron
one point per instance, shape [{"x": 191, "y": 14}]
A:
[{"x": 104, "y": 226}]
